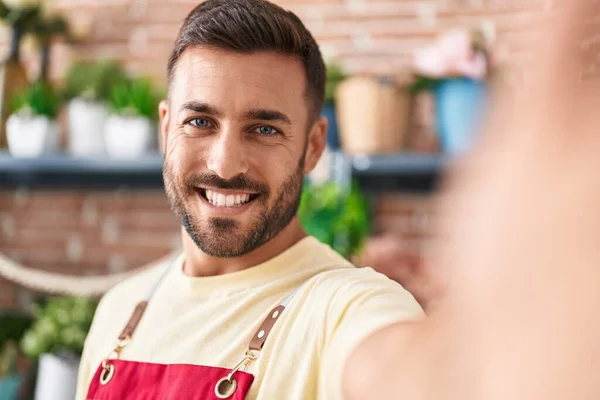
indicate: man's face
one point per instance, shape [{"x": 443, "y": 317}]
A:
[{"x": 237, "y": 143}]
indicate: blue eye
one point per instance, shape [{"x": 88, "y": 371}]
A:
[
  {"x": 200, "y": 123},
  {"x": 267, "y": 130}
]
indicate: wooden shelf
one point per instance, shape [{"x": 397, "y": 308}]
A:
[
  {"x": 405, "y": 172},
  {"x": 62, "y": 171},
  {"x": 376, "y": 173}
]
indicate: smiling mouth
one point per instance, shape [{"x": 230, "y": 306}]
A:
[{"x": 227, "y": 200}]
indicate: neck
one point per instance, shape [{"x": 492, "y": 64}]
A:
[{"x": 198, "y": 264}]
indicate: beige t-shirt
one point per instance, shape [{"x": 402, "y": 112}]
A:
[{"x": 210, "y": 320}]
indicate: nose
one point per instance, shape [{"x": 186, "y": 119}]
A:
[{"x": 227, "y": 155}]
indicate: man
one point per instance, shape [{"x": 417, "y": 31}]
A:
[
  {"x": 519, "y": 318},
  {"x": 240, "y": 128}
]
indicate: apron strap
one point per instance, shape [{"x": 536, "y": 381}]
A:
[
  {"x": 260, "y": 337},
  {"x": 134, "y": 320},
  {"x": 140, "y": 308}
]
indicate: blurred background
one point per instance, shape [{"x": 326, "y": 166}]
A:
[{"x": 81, "y": 198}]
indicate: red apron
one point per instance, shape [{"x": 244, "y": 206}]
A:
[
  {"x": 146, "y": 381},
  {"x": 118, "y": 379}
]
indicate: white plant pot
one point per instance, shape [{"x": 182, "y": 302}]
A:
[
  {"x": 57, "y": 378},
  {"x": 31, "y": 135},
  {"x": 86, "y": 121},
  {"x": 128, "y": 137}
]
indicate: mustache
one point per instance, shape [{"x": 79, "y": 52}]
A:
[{"x": 239, "y": 182}]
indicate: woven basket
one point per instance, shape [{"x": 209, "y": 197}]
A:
[{"x": 372, "y": 115}]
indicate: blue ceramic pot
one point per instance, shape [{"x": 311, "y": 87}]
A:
[
  {"x": 460, "y": 104},
  {"x": 333, "y": 139},
  {"x": 9, "y": 387}
]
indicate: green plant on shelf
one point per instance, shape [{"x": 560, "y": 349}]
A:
[
  {"x": 334, "y": 76},
  {"x": 136, "y": 97},
  {"x": 39, "y": 99},
  {"x": 93, "y": 80},
  {"x": 335, "y": 216},
  {"x": 12, "y": 328},
  {"x": 20, "y": 15},
  {"x": 61, "y": 325}
]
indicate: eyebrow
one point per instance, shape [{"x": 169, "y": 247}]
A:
[
  {"x": 268, "y": 115},
  {"x": 200, "y": 107},
  {"x": 259, "y": 114}
]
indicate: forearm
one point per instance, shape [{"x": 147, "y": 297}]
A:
[{"x": 537, "y": 341}]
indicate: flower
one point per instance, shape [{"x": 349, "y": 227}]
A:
[
  {"x": 454, "y": 54},
  {"x": 454, "y": 47},
  {"x": 474, "y": 67},
  {"x": 20, "y": 4},
  {"x": 430, "y": 62}
]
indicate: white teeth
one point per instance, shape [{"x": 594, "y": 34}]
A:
[{"x": 222, "y": 200}]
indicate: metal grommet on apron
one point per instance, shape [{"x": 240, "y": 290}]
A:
[
  {"x": 225, "y": 388},
  {"x": 108, "y": 371}
]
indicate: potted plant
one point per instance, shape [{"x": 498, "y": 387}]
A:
[
  {"x": 19, "y": 15},
  {"x": 88, "y": 87},
  {"x": 44, "y": 29},
  {"x": 12, "y": 328},
  {"x": 56, "y": 339},
  {"x": 336, "y": 216},
  {"x": 32, "y": 129},
  {"x": 456, "y": 69},
  {"x": 335, "y": 75},
  {"x": 130, "y": 130},
  {"x": 372, "y": 114}
]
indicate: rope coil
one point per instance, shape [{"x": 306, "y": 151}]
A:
[{"x": 56, "y": 283}]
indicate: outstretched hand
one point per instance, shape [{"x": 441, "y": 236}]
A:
[{"x": 523, "y": 215}]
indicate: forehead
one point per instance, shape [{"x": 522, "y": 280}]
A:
[{"x": 235, "y": 82}]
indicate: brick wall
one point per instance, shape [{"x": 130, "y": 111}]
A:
[
  {"x": 83, "y": 233},
  {"x": 364, "y": 35},
  {"x": 100, "y": 232}
]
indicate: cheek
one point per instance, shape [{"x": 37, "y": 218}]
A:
[
  {"x": 186, "y": 154},
  {"x": 280, "y": 179},
  {"x": 270, "y": 165}
]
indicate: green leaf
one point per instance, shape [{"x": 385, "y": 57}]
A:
[
  {"x": 39, "y": 98},
  {"x": 135, "y": 97},
  {"x": 44, "y": 29},
  {"x": 335, "y": 217},
  {"x": 334, "y": 76},
  {"x": 423, "y": 84},
  {"x": 93, "y": 81},
  {"x": 61, "y": 323}
]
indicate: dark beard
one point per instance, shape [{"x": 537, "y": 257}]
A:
[{"x": 222, "y": 237}]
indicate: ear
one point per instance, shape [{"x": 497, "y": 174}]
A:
[
  {"x": 163, "y": 114},
  {"x": 317, "y": 138}
]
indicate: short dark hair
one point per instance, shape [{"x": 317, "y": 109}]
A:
[{"x": 249, "y": 26}]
